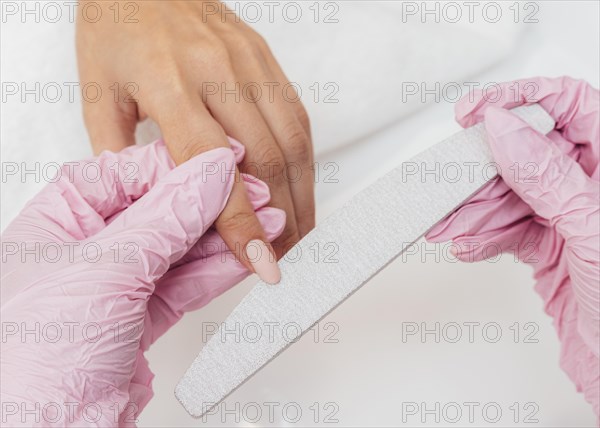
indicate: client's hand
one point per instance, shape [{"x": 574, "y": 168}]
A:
[
  {"x": 101, "y": 263},
  {"x": 544, "y": 208},
  {"x": 201, "y": 73}
]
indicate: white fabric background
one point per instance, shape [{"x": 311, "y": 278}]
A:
[
  {"x": 368, "y": 55},
  {"x": 370, "y": 371}
]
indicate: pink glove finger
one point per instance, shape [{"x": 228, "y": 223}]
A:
[
  {"x": 91, "y": 193},
  {"x": 168, "y": 220},
  {"x": 88, "y": 192},
  {"x": 560, "y": 191},
  {"x": 258, "y": 191},
  {"x": 196, "y": 283},
  {"x": 259, "y": 195},
  {"x": 573, "y": 104},
  {"x": 493, "y": 208},
  {"x": 238, "y": 149},
  {"x": 549, "y": 181},
  {"x": 212, "y": 243},
  {"x": 526, "y": 240},
  {"x": 123, "y": 177}
]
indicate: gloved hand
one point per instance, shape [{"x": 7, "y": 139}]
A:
[
  {"x": 544, "y": 208},
  {"x": 94, "y": 271}
]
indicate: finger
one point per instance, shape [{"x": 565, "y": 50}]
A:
[
  {"x": 110, "y": 122},
  {"x": 212, "y": 243},
  {"x": 527, "y": 240},
  {"x": 572, "y": 103},
  {"x": 195, "y": 284},
  {"x": 557, "y": 189},
  {"x": 568, "y": 100},
  {"x": 289, "y": 123},
  {"x": 549, "y": 181},
  {"x": 263, "y": 159},
  {"x": 295, "y": 145},
  {"x": 298, "y": 107},
  {"x": 187, "y": 127},
  {"x": 258, "y": 192},
  {"x": 168, "y": 220},
  {"x": 237, "y": 223},
  {"x": 88, "y": 192},
  {"x": 244, "y": 235},
  {"x": 493, "y": 208}
]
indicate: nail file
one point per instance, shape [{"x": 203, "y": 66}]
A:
[{"x": 352, "y": 244}]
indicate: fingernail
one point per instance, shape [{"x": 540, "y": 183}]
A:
[{"x": 263, "y": 261}]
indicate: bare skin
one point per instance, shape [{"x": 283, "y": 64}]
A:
[{"x": 173, "y": 65}]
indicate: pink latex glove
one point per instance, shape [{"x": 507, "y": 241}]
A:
[
  {"x": 544, "y": 209},
  {"x": 108, "y": 311}
]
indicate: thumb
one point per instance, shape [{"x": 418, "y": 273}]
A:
[
  {"x": 557, "y": 189},
  {"x": 168, "y": 220}
]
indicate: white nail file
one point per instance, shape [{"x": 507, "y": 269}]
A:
[{"x": 366, "y": 234}]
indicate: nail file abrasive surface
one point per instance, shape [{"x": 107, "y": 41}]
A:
[{"x": 368, "y": 232}]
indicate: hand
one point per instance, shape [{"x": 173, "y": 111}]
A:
[
  {"x": 544, "y": 208},
  {"x": 175, "y": 65},
  {"x": 103, "y": 268}
]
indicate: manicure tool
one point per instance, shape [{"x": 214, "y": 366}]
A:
[{"x": 367, "y": 233}]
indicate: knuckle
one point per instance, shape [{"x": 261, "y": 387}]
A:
[
  {"x": 306, "y": 215},
  {"x": 303, "y": 117},
  {"x": 260, "y": 42},
  {"x": 270, "y": 161},
  {"x": 248, "y": 41},
  {"x": 192, "y": 146},
  {"x": 189, "y": 149},
  {"x": 237, "y": 221},
  {"x": 296, "y": 143},
  {"x": 261, "y": 46},
  {"x": 242, "y": 43},
  {"x": 213, "y": 53},
  {"x": 288, "y": 238}
]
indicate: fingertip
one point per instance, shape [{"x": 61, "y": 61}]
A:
[
  {"x": 262, "y": 258},
  {"x": 454, "y": 251},
  {"x": 466, "y": 249},
  {"x": 272, "y": 221},
  {"x": 238, "y": 149},
  {"x": 435, "y": 234},
  {"x": 465, "y": 110},
  {"x": 257, "y": 190}
]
